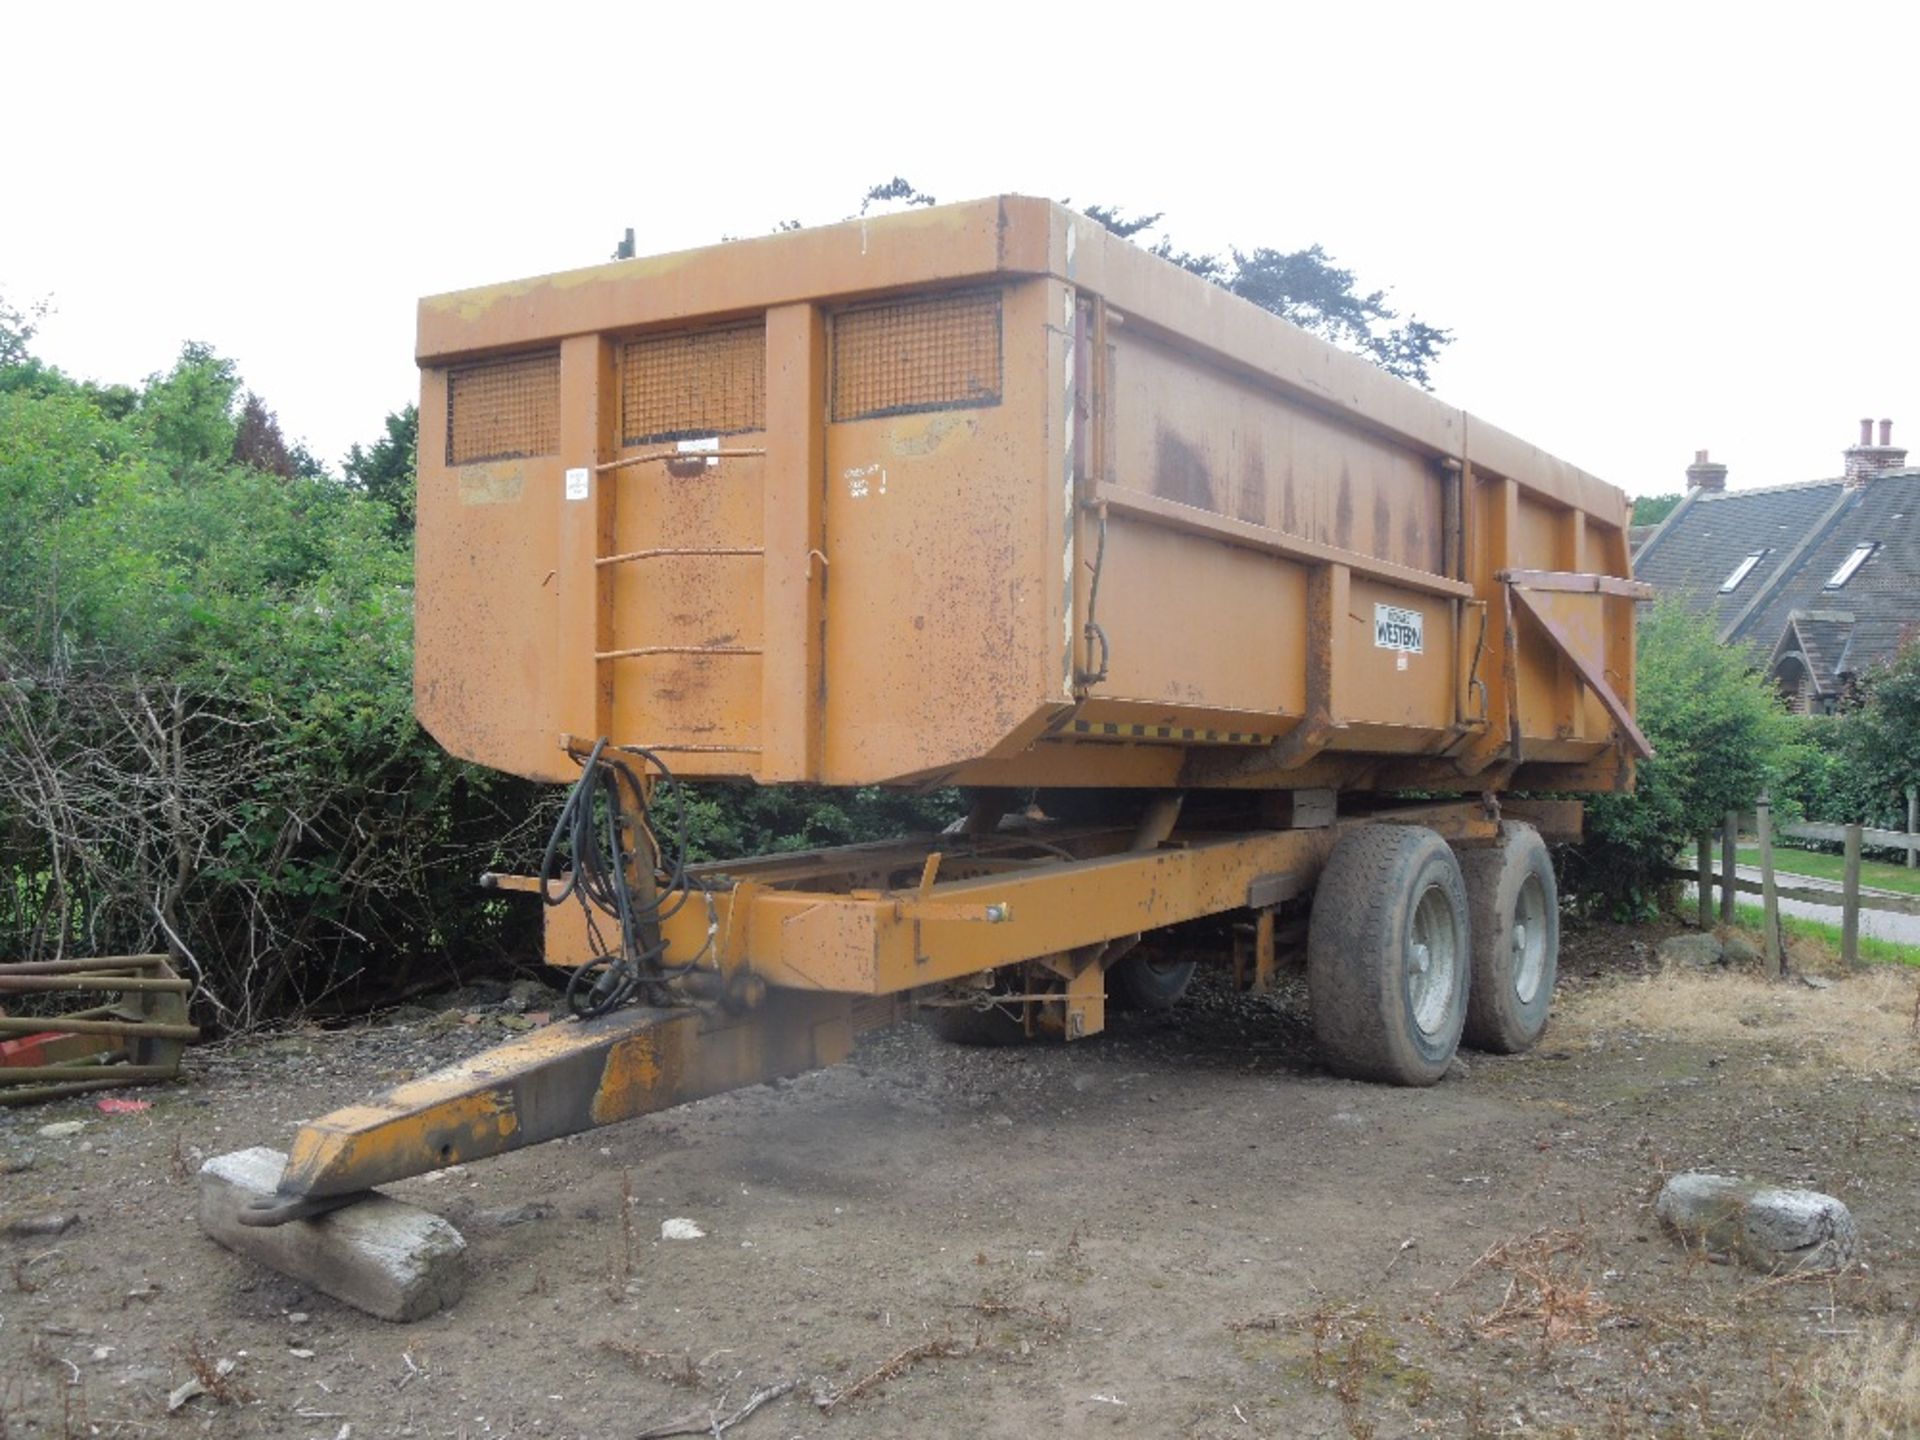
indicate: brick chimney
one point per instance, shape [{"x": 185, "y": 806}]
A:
[
  {"x": 1866, "y": 460},
  {"x": 1705, "y": 474}
]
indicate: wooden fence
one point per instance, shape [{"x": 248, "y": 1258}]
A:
[{"x": 1848, "y": 899}]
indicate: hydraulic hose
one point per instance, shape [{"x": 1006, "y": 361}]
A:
[{"x": 600, "y": 846}]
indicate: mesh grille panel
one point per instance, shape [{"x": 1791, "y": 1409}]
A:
[
  {"x": 698, "y": 382},
  {"x": 504, "y": 409},
  {"x": 941, "y": 353}
]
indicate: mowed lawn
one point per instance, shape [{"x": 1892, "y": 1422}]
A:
[{"x": 1875, "y": 873}]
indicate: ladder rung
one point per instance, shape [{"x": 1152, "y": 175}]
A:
[
  {"x": 695, "y": 457},
  {"x": 692, "y": 552},
  {"x": 641, "y": 650},
  {"x": 702, "y": 749}
]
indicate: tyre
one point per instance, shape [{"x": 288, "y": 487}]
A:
[
  {"x": 1149, "y": 980},
  {"x": 1388, "y": 947},
  {"x": 1513, "y": 909}
]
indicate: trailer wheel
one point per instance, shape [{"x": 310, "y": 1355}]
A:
[
  {"x": 1148, "y": 980},
  {"x": 1514, "y": 910},
  {"x": 1388, "y": 945}
]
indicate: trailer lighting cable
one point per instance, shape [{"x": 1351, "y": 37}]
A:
[{"x": 600, "y": 837}]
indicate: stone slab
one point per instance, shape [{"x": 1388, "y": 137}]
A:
[{"x": 390, "y": 1259}]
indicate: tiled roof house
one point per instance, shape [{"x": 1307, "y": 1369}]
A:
[{"x": 1818, "y": 580}]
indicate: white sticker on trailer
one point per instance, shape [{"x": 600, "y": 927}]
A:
[
  {"x": 1398, "y": 629},
  {"x": 579, "y": 483}
]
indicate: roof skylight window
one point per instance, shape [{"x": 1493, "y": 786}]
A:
[
  {"x": 1741, "y": 571},
  {"x": 1852, "y": 563}
]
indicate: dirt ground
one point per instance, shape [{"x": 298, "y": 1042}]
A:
[{"x": 1183, "y": 1228}]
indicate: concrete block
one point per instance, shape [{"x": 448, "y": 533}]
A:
[
  {"x": 392, "y": 1260},
  {"x": 1763, "y": 1226},
  {"x": 1697, "y": 951}
]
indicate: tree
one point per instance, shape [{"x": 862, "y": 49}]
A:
[
  {"x": 1304, "y": 287},
  {"x": 1884, "y": 729},
  {"x": 1652, "y": 509},
  {"x": 1720, "y": 736},
  {"x": 259, "y": 444},
  {"x": 388, "y": 471},
  {"x": 189, "y": 411},
  {"x": 896, "y": 189},
  {"x": 17, "y": 329}
]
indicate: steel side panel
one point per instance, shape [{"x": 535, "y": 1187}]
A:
[
  {"x": 1170, "y": 647},
  {"x": 943, "y": 630},
  {"x": 1192, "y": 433},
  {"x": 690, "y": 699},
  {"x": 487, "y": 605}
]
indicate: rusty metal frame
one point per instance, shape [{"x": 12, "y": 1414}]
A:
[
  {"x": 827, "y": 954},
  {"x": 561, "y": 1080},
  {"x": 133, "y": 1040},
  {"x": 806, "y": 923}
]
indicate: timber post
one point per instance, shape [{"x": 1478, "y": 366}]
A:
[
  {"x": 1769, "y": 898},
  {"x": 1729, "y": 864},
  {"x": 1850, "y": 901}
]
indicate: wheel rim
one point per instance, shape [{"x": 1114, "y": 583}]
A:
[
  {"x": 1529, "y": 939},
  {"x": 1433, "y": 961}
]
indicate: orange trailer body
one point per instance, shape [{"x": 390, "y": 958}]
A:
[{"x": 982, "y": 495}]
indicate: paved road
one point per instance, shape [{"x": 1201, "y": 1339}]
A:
[{"x": 1881, "y": 924}]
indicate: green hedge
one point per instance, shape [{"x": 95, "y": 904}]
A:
[
  {"x": 207, "y": 739},
  {"x": 1720, "y": 736}
]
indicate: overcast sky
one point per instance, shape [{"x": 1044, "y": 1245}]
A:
[{"x": 1653, "y": 229}]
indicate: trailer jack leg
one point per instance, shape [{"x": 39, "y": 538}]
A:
[{"x": 557, "y": 1081}]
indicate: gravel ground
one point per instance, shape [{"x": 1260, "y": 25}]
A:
[{"x": 1182, "y": 1228}]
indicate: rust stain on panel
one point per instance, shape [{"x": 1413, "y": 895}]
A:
[
  {"x": 1413, "y": 539},
  {"x": 1250, "y": 503},
  {"x": 1180, "y": 472}
]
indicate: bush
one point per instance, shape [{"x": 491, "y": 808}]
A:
[
  {"x": 1720, "y": 736},
  {"x": 1857, "y": 765},
  {"x": 206, "y": 730},
  {"x": 207, "y": 740},
  {"x": 1882, "y": 734}
]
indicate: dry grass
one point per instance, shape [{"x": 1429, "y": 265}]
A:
[
  {"x": 1548, "y": 1298},
  {"x": 215, "y": 1376},
  {"x": 1869, "y": 1389},
  {"x": 942, "y": 1347},
  {"x": 1044, "y": 1326},
  {"x": 1863, "y": 1024}
]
